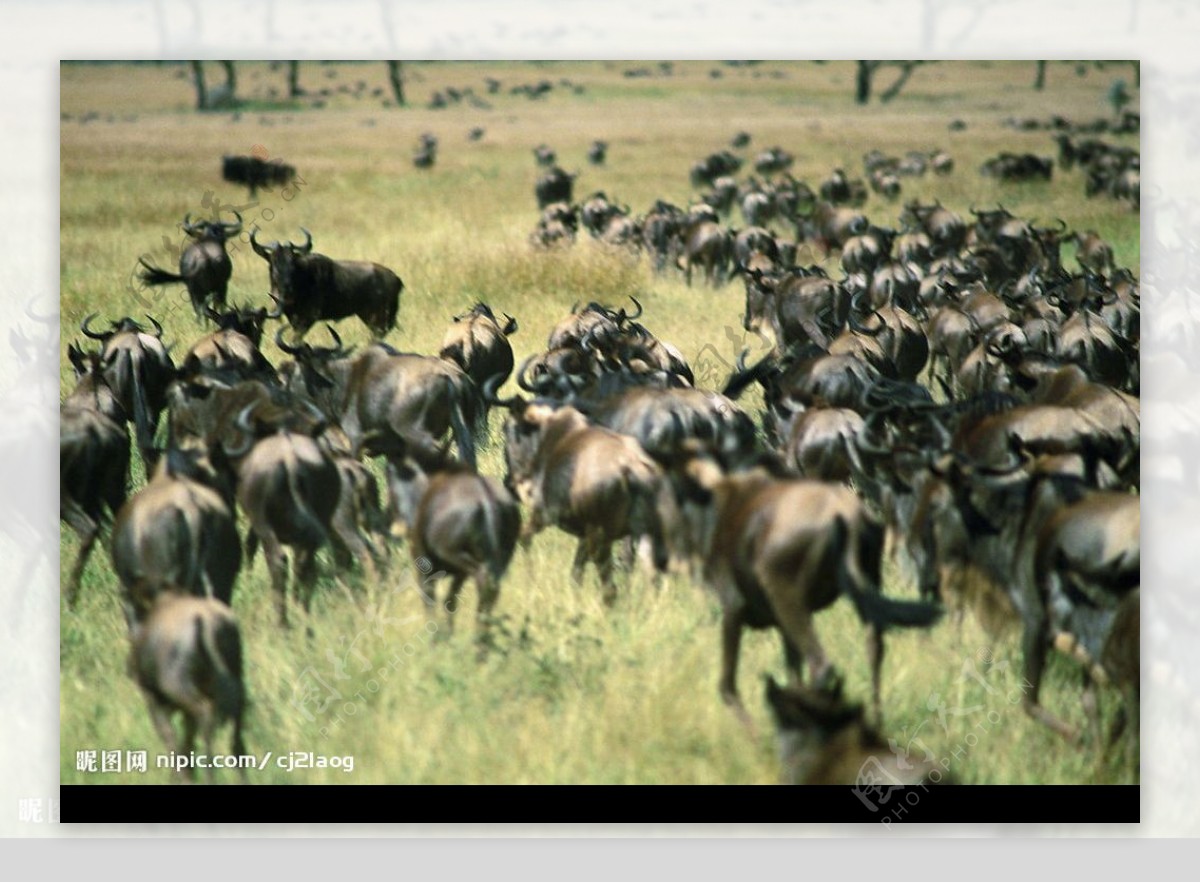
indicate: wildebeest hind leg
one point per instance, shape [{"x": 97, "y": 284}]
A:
[
  {"x": 277, "y": 567},
  {"x": 452, "y": 602},
  {"x": 489, "y": 592},
  {"x": 577, "y": 565},
  {"x": 731, "y": 641},
  {"x": 796, "y": 621},
  {"x": 1034, "y": 644},
  {"x": 88, "y": 529},
  {"x": 793, "y": 660},
  {"x": 875, "y": 661}
]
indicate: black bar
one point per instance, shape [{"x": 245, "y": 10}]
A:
[{"x": 361, "y": 804}]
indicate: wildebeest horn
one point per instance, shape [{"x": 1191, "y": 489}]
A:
[
  {"x": 290, "y": 350},
  {"x": 522, "y": 379},
  {"x": 338, "y": 347},
  {"x": 83, "y": 326},
  {"x": 263, "y": 251},
  {"x": 489, "y": 393},
  {"x": 234, "y": 229},
  {"x": 242, "y": 424},
  {"x": 307, "y": 247},
  {"x": 187, "y": 225},
  {"x": 637, "y": 304},
  {"x": 278, "y": 311},
  {"x": 158, "y": 329},
  {"x": 512, "y": 327}
]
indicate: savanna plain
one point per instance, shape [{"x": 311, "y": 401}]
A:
[{"x": 573, "y": 691}]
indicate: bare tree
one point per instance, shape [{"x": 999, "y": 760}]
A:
[
  {"x": 201, "y": 90},
  {"x": 230, "y": 81},
  {"x": 396, "y": 75},
  {"x": 219, "y": 97},
  {"x": 294, "y": 90},
  {"x": 1039, "y": 82},
  {"x": 865, "y": 76}
]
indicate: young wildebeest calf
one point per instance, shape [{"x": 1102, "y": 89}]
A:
[
  {"x": 463, "y": 525},
  {"x": 823, "y": 740},
  {"x": 187, "y": 657}
]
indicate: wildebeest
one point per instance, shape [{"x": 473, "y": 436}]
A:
[
  {"x": 233, "y": 347},
  {"x": 289, "y": 489},
  {"x": 253, "y": 172},
  {"x": 204, "y": 265},
  {"x": 186, "y": 656},
  {"x": 1087, "y": 564},
  {"x": 824, "y": 740},
  {"x": 706, "y": 245},
  {"x": 597, "y": 152},
  {"x": 1018, "y": 167},
  {"x": 309, "y": 288},
  {"x": 595, "y": 484},
  {"x": 777, "y": 551},
  {"x": 93, "y": 461},
  {"x": 478, "y": 344},
  {"x": 177, "y": 531},
  {"x": 554, "y": 186},
  {"x": 460, "y": 525},
  {"x": 138, "y": 369},
  {"x": 388, "y": 402}
]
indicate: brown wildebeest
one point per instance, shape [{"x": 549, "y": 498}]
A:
[{"x": 186, "y": 656}]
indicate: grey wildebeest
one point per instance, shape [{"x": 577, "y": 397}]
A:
[
  {"x": 554, "y": 186},
  {"x": 478, "y": 344},
  {"x": 386, "y": 401},
  {"x": 204, "y": 265},
  {"x": 289, "y": 489},
  {"x": 458, "y": 524},
  {"x": 591, "y": 482},
  {"x": 233, "y": 347},
  {"x": 177, "y": 531},
  {"x": 707, "y": 245},
  {"x": 777, "y": 551},
  {"x": 138, "y": 369},
  {"x": 93, "y": 460},
  {"x": 254, "y": 172},
  {"x": 186, "y": 656},
  {"x": 310, "y": 288}
]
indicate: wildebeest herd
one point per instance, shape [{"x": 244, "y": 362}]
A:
[{"x": 958, "y": 397}]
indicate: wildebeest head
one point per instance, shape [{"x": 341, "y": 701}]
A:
[
  {"x": 215, "y": 231},
  {"x": 281, "y": 257}
]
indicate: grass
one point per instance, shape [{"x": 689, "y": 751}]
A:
[{"x": 574, "y": 692}]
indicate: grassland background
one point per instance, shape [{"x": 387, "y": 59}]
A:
[{"x": 576, "y": 692}]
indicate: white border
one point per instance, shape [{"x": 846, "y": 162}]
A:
[{"x": 1160, "y": 32}]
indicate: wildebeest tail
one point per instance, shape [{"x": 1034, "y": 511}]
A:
[
  {"x": 155, "y": 275},
  {"x": 309, "y": 531},
  {"x": 874, "y": 608},
  {"x": 461, "y": 425}
]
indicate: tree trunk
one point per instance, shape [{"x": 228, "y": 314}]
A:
[
  {"x": 862, "y": 81},
  {"x": 1040, "y": 83},
  {"x": 396, "y": 75},
  {"x": 294, "y": 90},
  {"x": 201, "y": 90},
  {"x": 230, "y": 81}
]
